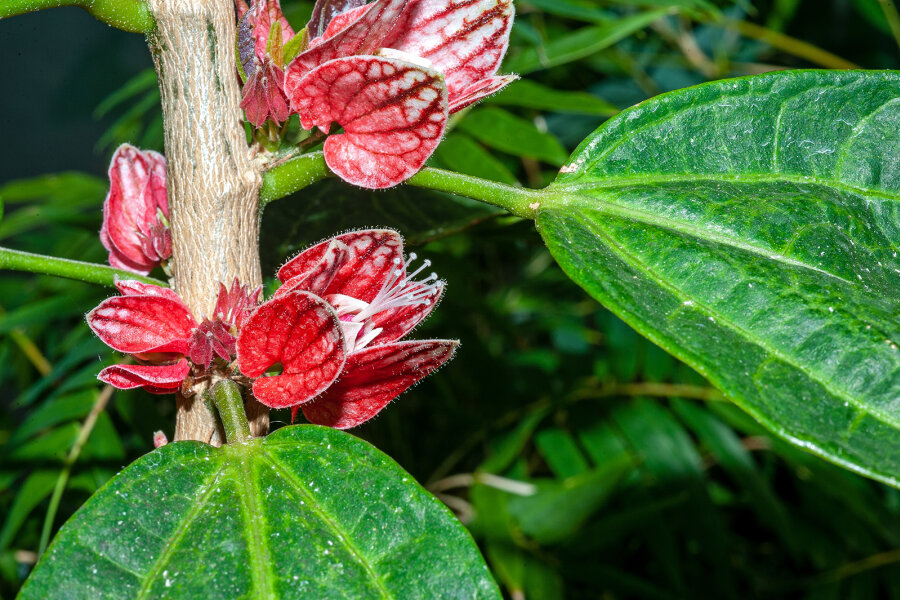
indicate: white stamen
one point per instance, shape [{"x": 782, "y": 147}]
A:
[{"x": 401, "y": 290}]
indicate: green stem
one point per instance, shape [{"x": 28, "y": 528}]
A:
[
  {"x": 15, "y": 260},
  {"x": 83, "y": 434},
  {"x": 893, "y": 18},
  {"x": 296, "y": 174},
  {"x": 128, "y": 15},
  {"x": 789, "y": 44},
  {"x": 226, "y": 395}
]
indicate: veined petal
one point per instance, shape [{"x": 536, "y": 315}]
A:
[
  {"x": 375, "y": 376},
  {"x": 300, "y": 331},
  {"x": 370, "y": 256},
  {"x": 314, "y": 274},
  {"x": 330, "y": 17},
  {"x": 393, "y": 114},
  {"x": 143, "y": 326},
  {"x": 464, "y": 39},
  {"x": 156, "y": 379},
  {"x": 478, "y": 90},
  {"x": 363, "y": 36}
]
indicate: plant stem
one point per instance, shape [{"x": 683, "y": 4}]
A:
[
  {"x": 789, "y": 44},
  {"x": 15, "y": 260},
  {"x": 83, "y": 434},
  {"x": 296, "y": 174},
  {"x": 127, "y": 15},
  {"x": 893, "y": 18},
  {"x": 226, "y": 396}
]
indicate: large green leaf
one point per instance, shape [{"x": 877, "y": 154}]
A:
[
  {"x": 752, "y": 228},
  {"x": 308, "y": 512}
]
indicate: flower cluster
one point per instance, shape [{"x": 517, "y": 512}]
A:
[
  {"x": 329, "y": 343},
  {"x": 389, "y": 73},
  {"x": 136, "y": 211}
]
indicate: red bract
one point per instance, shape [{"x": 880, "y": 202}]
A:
[
  {"x": 435, "y": 57},
  {"x": 135, "y": 214},
  {"x": 378, "y": 301},
  {"x": 393, "y": 114},
  {"x": 153, "y": 325}
]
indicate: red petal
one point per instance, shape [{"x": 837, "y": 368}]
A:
[
  {"x": 479, "y": 90},
  {"x": 364, "y": 36},
  {"x": 330, "y": 17},
  {"x": 371, "y": 256},
  {"x": 143, "y": 325},
  {"x": 375, "y": 376},
  {"x": 464, "y": 39},
  {"x": 133, "y": 287},
  {"x": 137, "y": 190},
  {"x": 397, "y": 322},
  {"x": 319, "y": 274},
  {"x": 156, "y": 379},
  {"x": 300, "y": 331},
  {"x": 393, "y": 114}
]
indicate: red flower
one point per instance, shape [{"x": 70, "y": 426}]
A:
[
  {"x": 329, "y": 342},
  {"x": 261, "y": 59},
  {"x": 393, "y": 105},
  {"x": 154, "y": 326},
  {"x": 364, "y": 276},
  {"x": 136, "y": 211}
]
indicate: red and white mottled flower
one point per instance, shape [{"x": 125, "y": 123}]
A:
[
  {"x": 364, "y": 276},
  {"x": 154, "y": 326},
  {"x": 136, "y": 211},
  {"x": 389, "y": 73}
]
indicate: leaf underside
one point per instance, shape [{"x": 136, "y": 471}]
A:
[
  {"x": 308, "y": 512},
  {"x": 751, "y": 227}
]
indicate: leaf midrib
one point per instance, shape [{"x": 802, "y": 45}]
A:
[
  {"x": 557, "y": 190},
  {"x": 638, "y": 264}
]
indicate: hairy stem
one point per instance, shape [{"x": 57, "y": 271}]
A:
[
  {"x": 15, "y": 260},
  {"x": 213, "y": 184},
  {"x": 296, "y": 174},
  {"x": 128, "y": 15},
  {"x": 226, "y": 396}
]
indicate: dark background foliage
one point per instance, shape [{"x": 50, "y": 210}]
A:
[{"x": 586, "y": 461}]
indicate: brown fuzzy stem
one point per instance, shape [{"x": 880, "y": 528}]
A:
[{"x": 213, "y": 183}]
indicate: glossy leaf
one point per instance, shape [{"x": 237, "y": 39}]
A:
[
  {"x": 282, "y": 511},
  {"x": 751, "y": 227}
]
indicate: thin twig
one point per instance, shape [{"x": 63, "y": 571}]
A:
[{"x": 83, "y": 434}]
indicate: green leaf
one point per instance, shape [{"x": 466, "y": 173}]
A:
[
  {"x": 504, "y": 131},
  {"x": 579, "y": 44},
  {"x": 529, "y": 94},
  {"x": 751, "y": 227},
  {"x": 307, "y": 512},
  {"x": 559, "y": 508}
]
